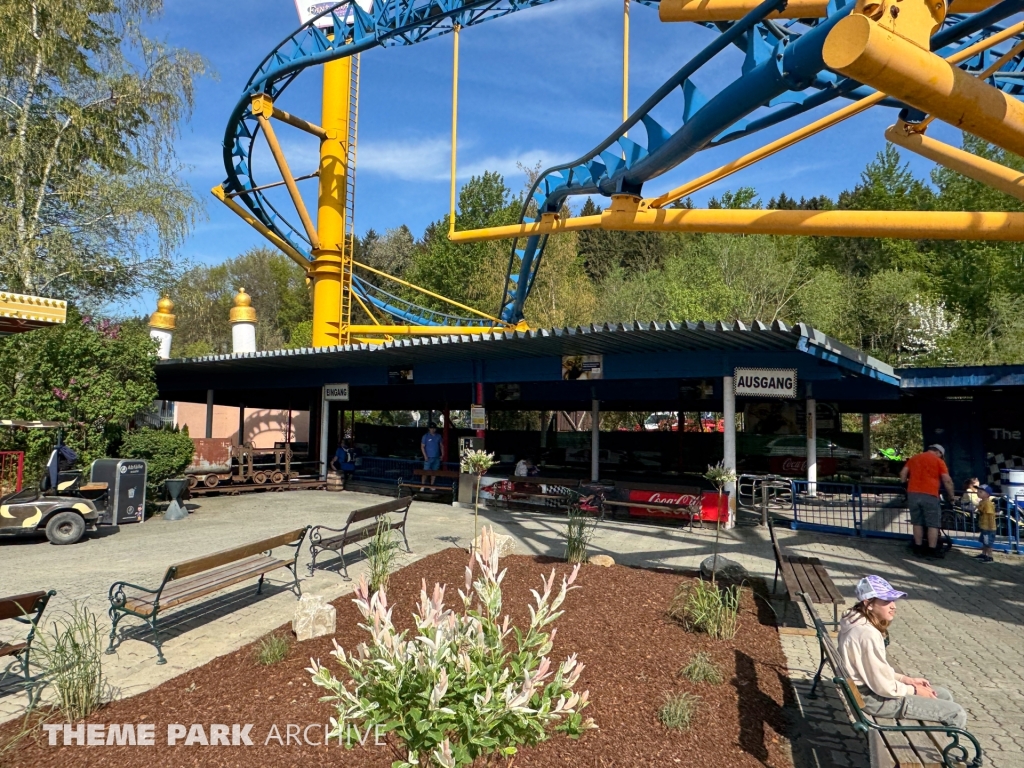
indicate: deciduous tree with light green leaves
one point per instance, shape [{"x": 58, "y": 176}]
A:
[
  {"x": 91, "y": 376},
  {"x": 91, "y": 206}
]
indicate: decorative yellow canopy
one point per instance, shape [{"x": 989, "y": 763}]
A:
[{"x": 20, "y": 313}]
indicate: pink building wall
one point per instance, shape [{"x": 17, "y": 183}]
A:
[{"x": 263, "y": 427}]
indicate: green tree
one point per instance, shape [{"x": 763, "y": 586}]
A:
[
  {"x": 92, "y": 205},
  {"x": 453, "y": 269},
  {"x": 204, "y": 296},
  {"x": 91, "y": 375}
]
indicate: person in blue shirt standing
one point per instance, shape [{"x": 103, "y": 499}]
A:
[{"x": 432, "y": 447}]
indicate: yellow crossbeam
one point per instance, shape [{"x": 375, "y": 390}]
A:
[
  {"x": 424, "y": 330},
  {"x": 980, "y": 169},
  {"x": 260, "y": 109},
  {"x": 863, "y": 50},
  {"x": 424, "y": 291},
  {"x": 260, "y": 227}
]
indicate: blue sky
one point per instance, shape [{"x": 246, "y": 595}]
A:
[{"x": 542, "y": 85}]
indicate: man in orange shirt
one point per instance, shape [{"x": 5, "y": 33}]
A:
[{"x": 922, "y": 474}]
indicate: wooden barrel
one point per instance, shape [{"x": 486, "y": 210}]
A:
[{"x": 335, "y": 481}]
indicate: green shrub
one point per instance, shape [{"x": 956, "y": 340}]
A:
[
  {"x": 679, "y": 710},
  {"x": 579, "y": 530},
  {"x": 468, "y": 687},
  {"x": 166, "y": 451},
  {"x": 702, "y": 669},
  {"x": 271, "y": 650},
  {"x": 70, "y": 651},
  {"x": 702, "y": 606},
  {"x": 381, "y": 553}
]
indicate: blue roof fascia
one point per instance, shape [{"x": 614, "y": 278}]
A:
[
  {"x": 873, "y": 369},
  {"x": 963, "y": 376}
]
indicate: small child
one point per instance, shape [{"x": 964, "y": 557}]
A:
[{"x": 986, "y": 523}]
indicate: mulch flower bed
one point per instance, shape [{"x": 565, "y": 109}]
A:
[{"x": 616, "y": 622}]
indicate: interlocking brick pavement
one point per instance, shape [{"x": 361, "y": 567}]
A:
[{"x": 960, "y": 625}]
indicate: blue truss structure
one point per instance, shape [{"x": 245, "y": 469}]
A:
[{"x": 782, "y": 74}]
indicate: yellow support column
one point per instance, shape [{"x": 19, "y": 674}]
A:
[{"x": 332, "y": 266}]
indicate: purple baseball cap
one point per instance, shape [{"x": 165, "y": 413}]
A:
[{"x": 877, "y": 587}]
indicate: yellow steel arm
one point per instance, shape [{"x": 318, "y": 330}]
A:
[
  {"x": 260, "y": 227},
  {"x": 628, "y": 213},
  {"x": 424, "y": 330},
  {"x": 987, "y": 172},
  {"x": 860, "y": 48},
  {"x": 407, "y": 284}
]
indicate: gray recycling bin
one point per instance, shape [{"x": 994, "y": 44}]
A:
[{"x": 126, "y": 488}]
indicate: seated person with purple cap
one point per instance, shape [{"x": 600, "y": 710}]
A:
[{"x": 863, "y": 635}]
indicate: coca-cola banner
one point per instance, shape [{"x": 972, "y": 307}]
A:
[
  {"x": 702, "y": 505},
  {"x": 765, "y": 382},
  {"x": 796, "y": 466}
]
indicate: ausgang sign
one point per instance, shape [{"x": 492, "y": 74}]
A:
[{"x": 765, "y": 382}]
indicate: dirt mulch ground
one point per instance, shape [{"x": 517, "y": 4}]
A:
[{"x": 616, "y": 623}]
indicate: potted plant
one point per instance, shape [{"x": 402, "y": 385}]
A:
[{"x": 476, "y": 463}]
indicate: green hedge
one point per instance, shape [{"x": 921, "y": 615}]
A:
[{"x": 167, "y": 452}]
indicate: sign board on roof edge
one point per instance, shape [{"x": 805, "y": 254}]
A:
[{"x": 765, "y": 382}]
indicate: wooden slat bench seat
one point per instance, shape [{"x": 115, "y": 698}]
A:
[
  {"x": 805, "y": 575},
  {"x": 422, "y": 485},
  {"x": 193, "y": 579},
  {"x": 322, "y": 538},
  {"x": 25, "y": 609},
  {"x": 892, "y": 743},
  {"x": 523, "y": 488}
]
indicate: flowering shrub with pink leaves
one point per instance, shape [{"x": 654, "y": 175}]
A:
[{"x": 467, "y": 685}]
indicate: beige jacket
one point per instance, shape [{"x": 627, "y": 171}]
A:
[{"x": 862, "y": 648}]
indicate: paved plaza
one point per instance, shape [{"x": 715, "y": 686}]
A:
[{"x": 960, "y": 625}]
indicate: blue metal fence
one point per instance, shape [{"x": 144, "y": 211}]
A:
[
  {"x": 881, "y": 511},
  {"x": 378, "y": 469}
]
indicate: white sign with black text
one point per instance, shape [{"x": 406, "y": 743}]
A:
[
  {"x": 336, "y": 392},
  {"x": 765, "y": 382}
]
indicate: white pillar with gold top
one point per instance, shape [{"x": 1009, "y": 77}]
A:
[
  {"x": 243, "y": 324},
  {"x": 161, "y": 327}
]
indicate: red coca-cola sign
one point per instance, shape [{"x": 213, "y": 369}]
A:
[
  {"x": 683, "y": 503},
  {"x": 796, "y": 466}
]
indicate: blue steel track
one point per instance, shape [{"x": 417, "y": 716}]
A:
[{"x": 782, "y": 76}]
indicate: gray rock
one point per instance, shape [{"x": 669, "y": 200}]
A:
[{"x": 727, "y": 570}]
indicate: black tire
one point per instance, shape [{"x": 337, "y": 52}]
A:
[{"x": 65, "y": 528}]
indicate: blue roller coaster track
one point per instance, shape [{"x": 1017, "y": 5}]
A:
[{"x": 782, "y": 76}]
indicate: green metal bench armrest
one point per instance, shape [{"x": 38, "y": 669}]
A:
[
  {"x": 117, "y": 596},
  {"x": 864, "y": 725},
  {"x": 33, "y": 621}
]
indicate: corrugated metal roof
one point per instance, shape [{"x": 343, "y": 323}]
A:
[{"x": 609, "y": 338}]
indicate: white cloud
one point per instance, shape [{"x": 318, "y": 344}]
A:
[{"x": 429, "y": 159}]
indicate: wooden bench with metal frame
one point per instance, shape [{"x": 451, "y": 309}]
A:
[
  {"x": 336, "y": 539},
  {"x": 805, "y": 575},
  {"x": 421, "y": 473},
  {"x": 26, "y": 609},
  {"x": 691, "y": 511},
  {"x": 570, "y": 484},
  {"x": 900, "y": 743},
  {"x": 199, "y": 577}
]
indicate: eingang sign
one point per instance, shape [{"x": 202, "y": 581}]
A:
[{"x": 765, "y": 382}]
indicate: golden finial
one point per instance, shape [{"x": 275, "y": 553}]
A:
[
  {"x": 163, "y": 318},
  {"x": 242, "y": 311}
]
